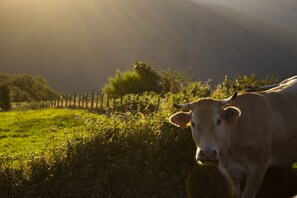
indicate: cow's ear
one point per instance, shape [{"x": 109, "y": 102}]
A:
[
  {"x": 181, "y": 119},
  {"x": 231, "y": 113}
]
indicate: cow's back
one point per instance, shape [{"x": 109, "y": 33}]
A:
[{"x": 283, "y": 106}]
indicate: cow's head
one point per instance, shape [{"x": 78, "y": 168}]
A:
[{"x": 208, "y": 119}]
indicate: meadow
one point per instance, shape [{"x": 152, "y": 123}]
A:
[
  {"x": 31, "y": 131},
  {"x": 76, "y": 153}
]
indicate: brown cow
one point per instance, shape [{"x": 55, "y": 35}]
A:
[{"x": 246, "y": 133}]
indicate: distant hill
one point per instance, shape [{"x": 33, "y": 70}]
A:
[
  {"x": 77, "y": 44},
  {"x": 281, "y": 12}
]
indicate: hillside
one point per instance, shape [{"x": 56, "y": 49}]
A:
[
  {"x": 77, "y": 44},
  {"x": 283, "y": 12}
]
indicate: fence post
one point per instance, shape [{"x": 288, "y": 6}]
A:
[
  {"x": 97, "y": 99},
  {"x": 61, "y": 100},
  {"x": 58, "y": 102},
  {"x": 66, "y": 100},
  {"x": 158, "y": 105},
  {"x": 87, "y": 95},
  {"x": 79, "y": 100},
  {"x": 82, "y": 99},
  {"x": 107, "y": 104},
  {"x": 74, "y": 100},
  {"x": 92, "y": 100},
  {"x": 114, "y": 102},
  {"x": 101, "y": 101}
]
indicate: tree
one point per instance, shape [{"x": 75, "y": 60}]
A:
[
  {"x": 30, "y": 88},
  {"x": 123, "y": 83},
  {"x": 151, "y": 80},
  {"x": 174, "y": 81},
  {"x": 5, "y": 102},
  {"x": 143, "y": 78}
]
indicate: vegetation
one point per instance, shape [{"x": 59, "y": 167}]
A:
[
  {"x": 242, "y": 83},
  {"x": 38, "y": 131},
  {"x": 125, "y": 155},
  {"x": 143, "y": 78},
  {"x": 75, "y": 153},
  {"x": 5, "y": 101},
  {"x": 27, "y": 87}
]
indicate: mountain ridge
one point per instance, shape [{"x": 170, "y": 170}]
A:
[{"x": 76, "y": 45}]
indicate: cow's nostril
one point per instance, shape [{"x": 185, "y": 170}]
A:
[
  {"x": 214, "y": 153},
  {"x": 207, "y": 156}
]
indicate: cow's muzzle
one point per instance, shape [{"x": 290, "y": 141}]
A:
[{"x": 208, "y": 156}]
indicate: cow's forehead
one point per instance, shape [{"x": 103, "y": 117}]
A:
[{"x": 205, "y": 108}]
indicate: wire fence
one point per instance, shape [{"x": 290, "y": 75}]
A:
[{"x": 96, "y": 101}]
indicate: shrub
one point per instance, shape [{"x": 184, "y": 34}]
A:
[
  {"x": 174, "y": 81},
  {"x": 143, "y": 78},
  {"x": 26, "y": 88},
  {"x": 5, "y": 102},
  {"x": 242, "y": 83}
]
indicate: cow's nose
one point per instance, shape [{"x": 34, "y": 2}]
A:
[{"x": 205, "y": 156}]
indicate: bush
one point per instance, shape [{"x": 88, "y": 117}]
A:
[
  {"x": 143, "y": 78},
  {"x": 5, "y": 102},
  {"x": 33, "y": 87},
  {"x": 26, "y": 88},
  {"x": 174, "y": 81},
  {"x": 242, "y": 83}
]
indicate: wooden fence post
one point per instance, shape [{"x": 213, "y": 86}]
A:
[
  {"x": 97, "y": 99},
  {"x": 114, "y": 103},
  {"x": 107, "y": 104},
  {"x": 158, "y": 105},
  {"x": 92, "y": 100},
  {"x": 66, "y": 100},
  {"x": 62, "y": 100},
  {"x": 87, "y": 95},
  {"x": 101, "y": 101},
  {"x": 74, "y": 100},
  {"x": 79, "y": 100},
  {"x": 82, "y": 99},
  {"x": 58, "y": 106},
  {"x": 69, "y": 101}
]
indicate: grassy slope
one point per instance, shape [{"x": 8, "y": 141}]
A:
[{"x": 36, "y": 131}]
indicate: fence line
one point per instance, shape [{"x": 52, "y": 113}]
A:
[{"x": 97, "y": 101}]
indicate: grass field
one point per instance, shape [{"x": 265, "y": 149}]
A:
[
  {"x": 25, "y": 132},
  {"x": 119, "y": 155}
]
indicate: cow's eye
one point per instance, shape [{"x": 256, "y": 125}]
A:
[
  {"x": 219, "y": 122},
  {"x": 193, "y": 124}
]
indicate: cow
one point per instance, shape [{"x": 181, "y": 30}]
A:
[{"x": 246, "y": 133}]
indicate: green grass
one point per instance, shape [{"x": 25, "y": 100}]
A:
[
  {"x": 119, "y": 155},
  {"x": 25, "y": 132}
]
